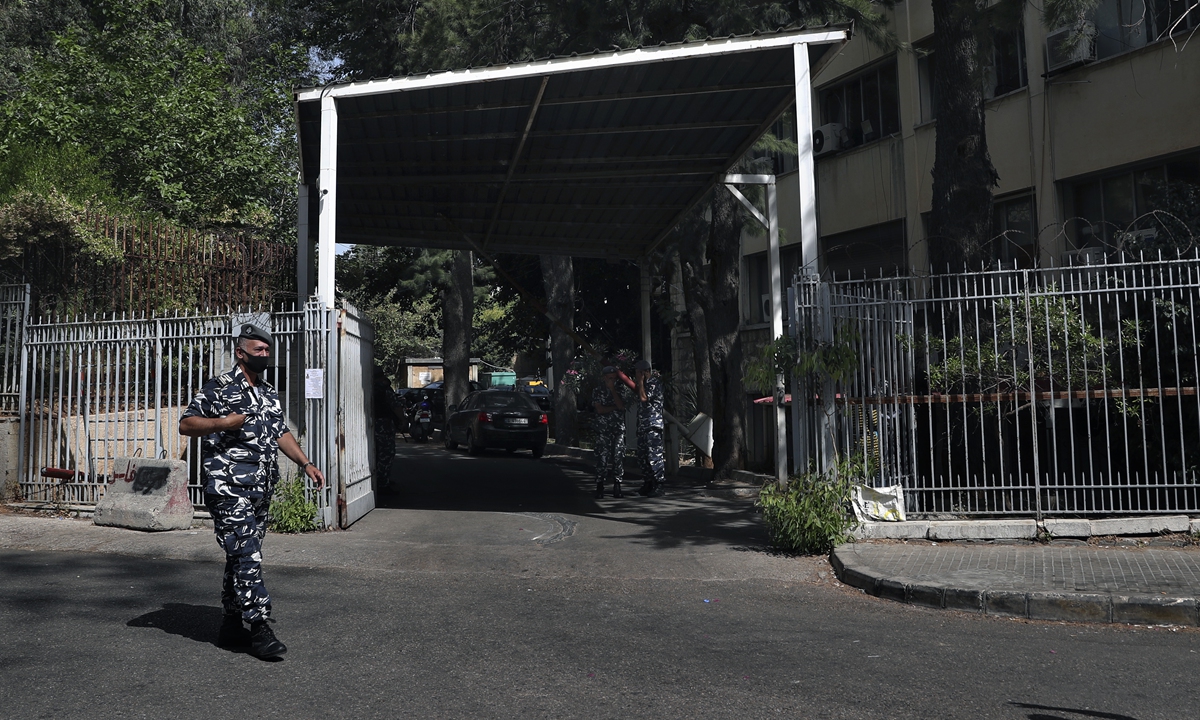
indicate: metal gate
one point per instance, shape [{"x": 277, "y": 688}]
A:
[
  {"x": 106, "y": 387},
  {"x": 1061, "y": 391},
  {"x": 356, "y": 435},
  {"x": 14, "y": 309}
]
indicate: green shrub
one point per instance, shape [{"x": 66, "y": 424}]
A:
[
  {"x": 291, "y": 511},
  {"x": 811, "y": 515}
]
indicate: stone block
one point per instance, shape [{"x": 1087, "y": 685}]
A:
[
  {"x": 1141, "y": 525},
  {"x": 1194, "y": 526},
  {"x": 1007, "y": 603},
  {"x": 1154, "y": 610},
  {"x": 859, "y": 579},
  {"x": 1071, "y": 607},
  {"x": 892, "y": 589},
  {"x": 982, "y": 529},
  {"x": 1068, "y": 528},
  {"x": 925, "y": 595},
  {"x": 962, "y": 599},
  {"x": 913, "y": 530},
  {"x": 146, "y": 494}
]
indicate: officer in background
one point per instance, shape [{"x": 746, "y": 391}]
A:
[
  {"x": 610, "y": 432},
  {"x": 383, "y": 406},
  {"x": 650, "y": 455},
  {"x": 238, "y": 416}
]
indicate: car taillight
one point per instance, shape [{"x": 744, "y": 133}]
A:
[
  {"x": 485, "y": 417},
  {"x": 544, "y": 419}
]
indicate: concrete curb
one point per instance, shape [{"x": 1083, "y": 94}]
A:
[
  {"x": 1095, "y": 607},
  {"x": 1025, "y": 529}
]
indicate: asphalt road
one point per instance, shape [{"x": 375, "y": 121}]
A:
[{"x": 497, "y": 587}]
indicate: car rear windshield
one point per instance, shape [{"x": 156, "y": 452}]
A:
[{"x": 509, "y": 400}]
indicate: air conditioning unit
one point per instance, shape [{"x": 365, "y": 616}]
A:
[
  {"x": 1135, "y": 237},
  {"x": 1084, "y": 256},
  {"x": 766, "y": 307},
  {"x": 827, "y": 139},
  {"x": 1063, "y": 52}
]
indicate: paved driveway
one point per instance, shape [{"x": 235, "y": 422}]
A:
[{"x": 496, "y": 587}]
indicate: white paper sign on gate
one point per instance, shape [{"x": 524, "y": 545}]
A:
[{"x": 314, "y": 383}]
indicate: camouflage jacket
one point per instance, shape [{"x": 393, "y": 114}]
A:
[
  {"x": 601, "y": 395},
  {"x": 650, "y": 412},
  {"x": 243, "y": 459}
]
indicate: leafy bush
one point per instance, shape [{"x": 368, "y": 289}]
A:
[
  {"x": 811, "y": 515},
  {"x": 291, "y": 511}
]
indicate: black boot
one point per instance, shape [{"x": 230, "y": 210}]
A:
[
  {"x": 657, "y": 490},
  {"x": 617, "y": 490},
  {"x": 599, "y": 490},
  {"x": 645, "y": 489},
  {"x": 233, "y": 633},
  {"x": 263, "y": 643}
]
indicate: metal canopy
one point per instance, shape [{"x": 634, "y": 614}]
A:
[{"x": 593, "y": 156}]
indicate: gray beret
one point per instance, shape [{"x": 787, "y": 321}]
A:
[
  {"x": 254, "y": 332},
  {"x": 642, "y": 364},
  {"x": 607, "y": 369}
]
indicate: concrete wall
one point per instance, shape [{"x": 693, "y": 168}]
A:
[{"x": 10, "y": 429}]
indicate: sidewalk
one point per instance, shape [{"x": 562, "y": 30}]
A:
[{"x": 1145, "y": 582}]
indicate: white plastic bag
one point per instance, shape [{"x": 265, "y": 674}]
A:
[{"x": 878, "y": 504}]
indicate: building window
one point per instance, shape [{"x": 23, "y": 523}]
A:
[
  {"x": 866, "y": 106},
  {"x": 1006, "y": 73},
  {"x": 1014, "y": 232},
  {"x": 869, "y": 251},
  {"x": 1123, "y": 25},
  {"x": 926, "y": 67},
  {"x": 1155, "y": 206},
  {"x": 784, "y": 130}
]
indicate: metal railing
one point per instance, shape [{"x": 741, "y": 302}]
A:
[
  {"x": 1061, "y": 391},
  {"x": 14, "y": 309},
  {"x": 105, "y": 387}
]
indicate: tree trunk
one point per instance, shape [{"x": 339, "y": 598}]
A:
[
  {"x": 963, "y": 175},
  {"x": 724, "y": 322},
  {"x": 696, "y": 297},
  {"x": 458, "y": 311},
  {"x": 558, "y": 278}
]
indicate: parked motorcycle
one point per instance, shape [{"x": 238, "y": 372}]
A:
[{"x": 420, "y": 420}]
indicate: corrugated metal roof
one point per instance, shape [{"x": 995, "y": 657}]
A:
[{"x": 619, "y": 146}]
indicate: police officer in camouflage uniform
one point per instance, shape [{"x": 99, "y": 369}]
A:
[
  {"x": 650, "y": 430},
  {"x": 238, "y": 416},
  {"x": 610, "y": 432}
]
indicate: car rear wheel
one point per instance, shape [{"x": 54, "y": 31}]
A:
[
  {"x": 449, "y": 440},
  {"x": 472, "y": 447},
  {"x": 538, "y": 450}
]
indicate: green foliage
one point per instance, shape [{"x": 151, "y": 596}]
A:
[
  {"x": 49, "y": 223},
  {"x": 157, "y": 114},
  {"x": 811, "y": 514},
  {"x": 834, "y": 360},
  {"x": 1052, "y": 325},
  {"x": 291, "y": 511}
]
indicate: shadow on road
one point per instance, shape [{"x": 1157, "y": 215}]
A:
[
  {"x": 194, "y": 622},
  {"x": 429, "y": 477}
]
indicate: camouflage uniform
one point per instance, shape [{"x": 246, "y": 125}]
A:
[
  {"x": 650, "y": 455},
  {"x": 240, "y": 470},
  {"x": 610, "y": 440}
]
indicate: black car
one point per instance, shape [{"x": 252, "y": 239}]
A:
[{"x": 506, "y": 419}]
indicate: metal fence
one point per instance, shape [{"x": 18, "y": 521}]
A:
[
  {"x": 1064, "y": 391},
  {"x": 14, "y": 308},
  {"x": 102, "y": 388}
]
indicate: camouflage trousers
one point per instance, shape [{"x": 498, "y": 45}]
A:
[
  {"x": 651, "y": 458},
  {"x": 385, "y": 450},
  {"x": 610, "y": 453},
  {"x": 240, "y": 522}
]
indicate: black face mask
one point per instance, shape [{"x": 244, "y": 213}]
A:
[{"x": 257, "y": 363}]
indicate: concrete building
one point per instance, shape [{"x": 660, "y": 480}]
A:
[{"x": 1085, "y": 144}]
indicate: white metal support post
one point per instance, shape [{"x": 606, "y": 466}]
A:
[
  {"x": 809, "y": 242},
  {"x": 303, "y": 247},
  {"x": 771, "y": 222},
  {"x": 644, "y": 268},
  {"x": 327, "y": 223},
  {"x": 805, "y": 169}
]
